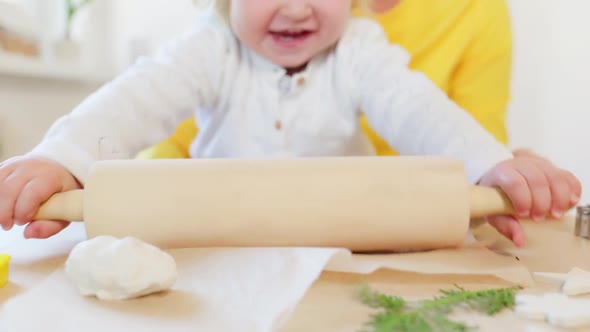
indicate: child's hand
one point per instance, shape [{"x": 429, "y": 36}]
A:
[
  {"x": 25, "y": 183},
  {"x": 536, "y": 188}
]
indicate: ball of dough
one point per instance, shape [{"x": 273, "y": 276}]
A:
[{"x": 119, "y": 269}]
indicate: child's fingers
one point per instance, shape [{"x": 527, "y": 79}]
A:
[
  {"x": 538, "y": 185},
  {"x": 512, "y": 183},
  {"x": 575, "y": 187},
  {"x": 10, "y": 187},
  {"x": 510, "y": 227},
  {"x": 6, "y": 165},
  {"x": 33, "y": 194},
  {"x": 5, "y": 204},
  {"x": 559, "y": 188},
  {"x": 42, "y": 229}
]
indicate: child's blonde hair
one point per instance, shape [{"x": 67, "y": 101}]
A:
[{"x": 222, "y": 6}]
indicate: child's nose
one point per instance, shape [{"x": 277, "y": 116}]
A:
[{"x": 296, "y": 10}]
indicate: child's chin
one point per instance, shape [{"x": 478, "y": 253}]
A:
[{"x": 292, "y": 63}]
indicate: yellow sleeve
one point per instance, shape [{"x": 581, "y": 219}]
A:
[
  {"x": 175, "y": 146},
  {"x": 481, "y": 82}
]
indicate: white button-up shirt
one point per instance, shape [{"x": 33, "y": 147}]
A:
[{"x": 248, "y": 107}]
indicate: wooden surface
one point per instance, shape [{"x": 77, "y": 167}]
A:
[{"x": 329, "y": 305}]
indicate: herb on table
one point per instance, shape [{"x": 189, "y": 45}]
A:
[{"x": 398, "y": 315}]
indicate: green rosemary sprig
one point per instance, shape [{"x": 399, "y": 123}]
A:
[
  {"x": 398, "y": 315},
  {"x": 375, "y": 299}
]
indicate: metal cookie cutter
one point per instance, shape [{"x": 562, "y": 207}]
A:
[{"x": 583, "y": 221}]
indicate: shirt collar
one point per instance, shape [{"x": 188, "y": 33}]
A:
[{"x": 270, "y": 69}]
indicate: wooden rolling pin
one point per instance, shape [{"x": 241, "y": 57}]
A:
[{"x": 360, "y": 203}]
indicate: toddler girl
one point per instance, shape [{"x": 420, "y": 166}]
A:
[{"x": 281, "y": 79}]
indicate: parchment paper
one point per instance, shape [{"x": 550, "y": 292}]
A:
[{"x": 227, "y": 289}]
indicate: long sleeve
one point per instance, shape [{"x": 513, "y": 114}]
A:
[
  {"x": 409, "y": 110},
  {"x": 143, "y": 105}
]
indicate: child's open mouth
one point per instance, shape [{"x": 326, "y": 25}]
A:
[{"x": 290, "y": 38}]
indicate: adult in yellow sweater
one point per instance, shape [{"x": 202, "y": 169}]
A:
[{"x": 464, "y": 46}]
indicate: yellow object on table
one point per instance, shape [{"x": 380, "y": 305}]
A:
[{"x": 4, "y": 260}]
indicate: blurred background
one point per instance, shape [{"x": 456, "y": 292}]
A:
[{"x": 53, "y": 53}]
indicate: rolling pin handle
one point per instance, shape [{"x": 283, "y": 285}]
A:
[
  {"x": 487, "y": 201},
  {"x": 66, "y": 206}
]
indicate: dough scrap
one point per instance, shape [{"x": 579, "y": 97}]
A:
[
  {"x": 556, "y": 308},
  {"x": 577, "y": 282},
  {"x": 120, "y": 269}
]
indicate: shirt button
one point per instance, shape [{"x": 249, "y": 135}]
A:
[
  {"x": 278, "y": 125},
  {"x": 301, "y": 81}
]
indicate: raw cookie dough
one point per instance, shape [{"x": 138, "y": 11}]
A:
[{"x": 119, "y": 269}]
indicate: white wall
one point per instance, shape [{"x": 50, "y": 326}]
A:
[
  {"x": 29, "y": 106},
  {"x": 550, "y": 111},
  {"x": 142, "y": 25}
]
